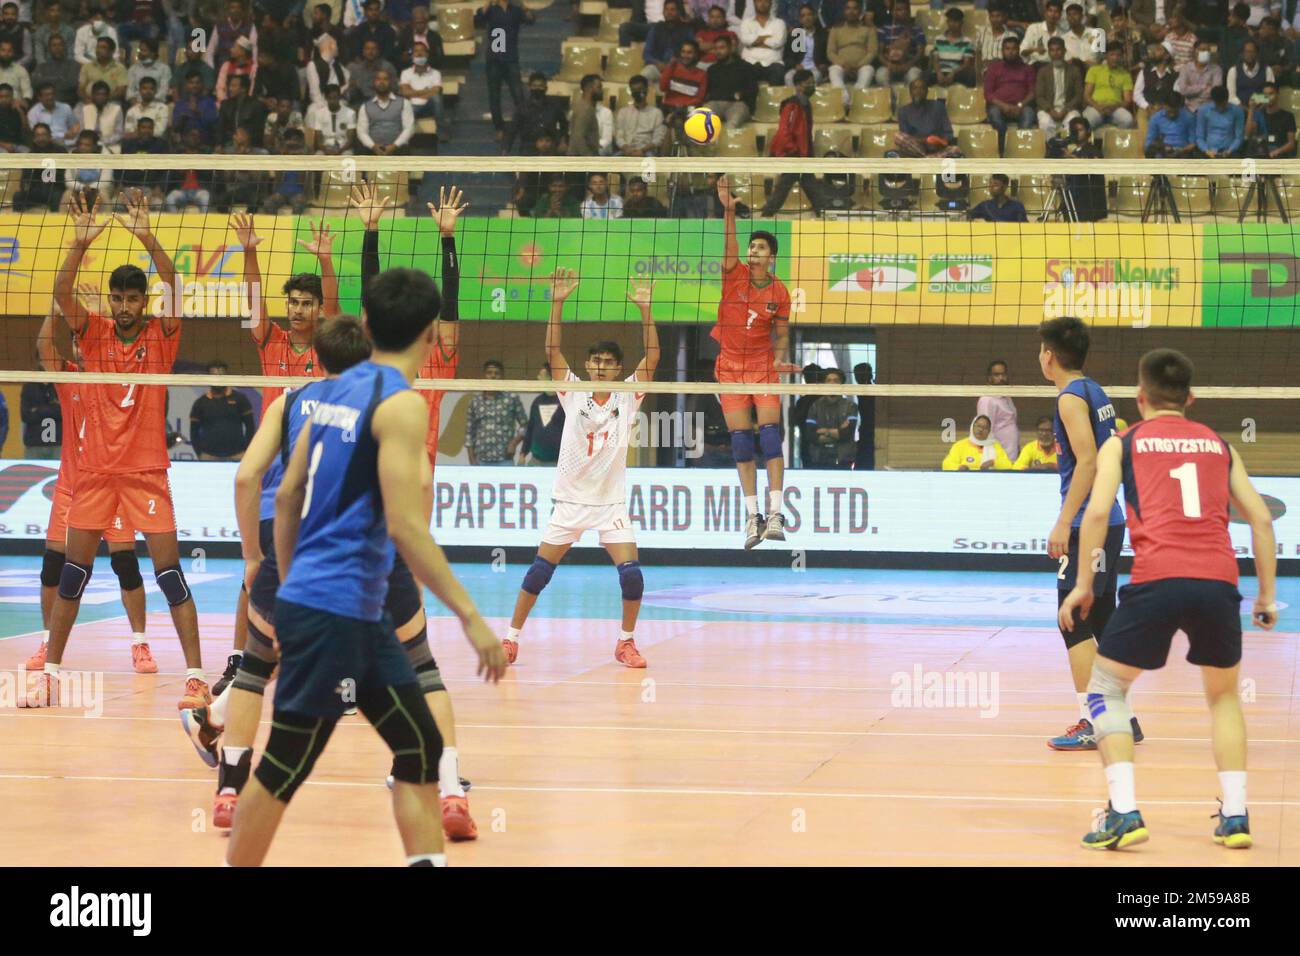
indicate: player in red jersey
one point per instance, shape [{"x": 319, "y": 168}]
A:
[
  {"x": 1179, "y": 478},
  {"x": 121, "y": 540},
  {"x": 122, "y": 471},
  {"x": 755, "y": 304}
]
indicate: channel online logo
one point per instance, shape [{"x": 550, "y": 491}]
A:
[
  {"x": 960, "y": 274},
  {"x": 875, "y": 273}
]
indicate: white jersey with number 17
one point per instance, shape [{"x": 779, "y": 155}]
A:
[{"x": 592, "y": 468}]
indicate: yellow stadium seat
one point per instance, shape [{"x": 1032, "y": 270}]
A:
[
  {"x": 966, "y": 107},
  {"x": 926, "y": 19},
  {"x": 1131, "y": 195},
  {"x": 738, "y": 142},
  {"x": 827, "y": 106},
  {"x": 1289, "y": 98},
  {"x": 768, "y": 107},
  {"x": 1026, "y": 144},
  {"x": 1121, "y": 144},
  {"x": 796, "y": 201},
  {"x": 1033, "y": 192},
  {"x": 335, "y": 190},
  {"x": 877, "y": 140},
  {"x": 1192, "y": 193},
  {"x": 579, "y": 61},
  {"x": 610, "y": 21},
  {"x": 976, "y": 19},
  {"x": 835, "y": 138},
  {"x": 870, "y": 106},
  {"x": 456, "y": 24},
  {"x": 624, "y": 63},
  {"x": 396, "y": 186},
  {"x": 10, "y": 183},
  {"x": 1230, "y": 196},
  {"x": 978, "y": 142}
]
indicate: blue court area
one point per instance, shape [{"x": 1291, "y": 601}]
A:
[{"x": 585, "y": 591}]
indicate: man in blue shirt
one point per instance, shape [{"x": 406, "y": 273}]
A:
[
  {"x": 502, "y": 20},
  {"x": 999, "y": 207},
  {"x": 1220, "y": 126},
  {"x": 1172, "y": 133},
  {"x": 57, "y": 116}
]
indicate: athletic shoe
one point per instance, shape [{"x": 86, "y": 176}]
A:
[
  {"x": 1080, "y": 736},
  {"x": 457, "y": 824},
  {"x": 142, "y": 659},
  {"x": 774, "y": 530},
  {"x": 196, "y": 695},
  {"x": 223, "y": 810},
  {"x": 1118, "y": 830},
  {"x": 37, "y": 661},
  {"x": 202, "y": 733},
  {"x": 1138, "y": 736},
  {"x": 350, "y": 712},
  {"x": 232, "y": 668},
  {"x": 753, "y": 531},
  {"x": 511, "y": 648},
  {"x": 627, "y": 654},
  {"x": 43, "y": 693},
  {"x": 1233, "y": 832}
]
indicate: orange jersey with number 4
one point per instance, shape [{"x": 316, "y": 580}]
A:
[
  {"x": 125, "y": 425},
  {"x": 746, "y": 316},
  {"x": 438, "y": 365},
  {"x": 281, "y": 357}
]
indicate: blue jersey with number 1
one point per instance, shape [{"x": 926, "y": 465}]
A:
[
  {"x": 298, "y": 404},
  {"x": 1101, "y": 415},
  {"x": 343, "y": 556}
]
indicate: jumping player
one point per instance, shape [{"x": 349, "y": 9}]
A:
[
  {"x": 1179, "y": 478},
  {"x": 754, "y": 304},
  {"x": 121, "y": 539},
  {"x": 340, "y": 509},
  {"x": 590, "y": 490},
  {"x": 122, "y": 475},
  {"x": 1084, "y": 420}
]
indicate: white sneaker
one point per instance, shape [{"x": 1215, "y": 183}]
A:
[{"x": 753, "y": 531}]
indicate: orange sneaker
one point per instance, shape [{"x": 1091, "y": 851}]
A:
[
  {"x": 196, "y": 695},
  {"x": 41, "y": 691},
  {"x": 37, "y": 661},
  {"x": 511, "y": 649},
  {"x": 627, "y": 654},
  {"x": 142, "y": 659},
  {"x": 457, "y": 824},
  {"x": 223, "y": 810}
]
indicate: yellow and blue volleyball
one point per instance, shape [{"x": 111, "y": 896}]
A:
[{"x": 702, "y": 126}]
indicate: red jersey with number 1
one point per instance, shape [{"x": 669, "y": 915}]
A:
[
  {"x": 1176, "y": 498},
  {"x": 438, "y": 365},
  {"x": 746, "y": 316},
  {"x": 126, "y": 425},
  {"x": 281, "y": 357}
]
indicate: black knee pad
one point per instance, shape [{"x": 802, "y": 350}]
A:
[
  {"x": 73, "y": 578},
  {"x": 420, "y": 656},
  {"x": 295, "y": 743},
  {"x": 51, "y": 567},
  {"x": 257, "y": 663},
  {"x": 171, "y": 581},
  {"x": 127, "y": 568},
  {"x": 405, "y": 722}
]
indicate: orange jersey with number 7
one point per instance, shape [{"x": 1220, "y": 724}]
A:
[
  {"x": 126, "y": 425},
  {"x": 746, "y": 316}
]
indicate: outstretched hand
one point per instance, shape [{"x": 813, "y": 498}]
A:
[
  {"x": 248, "y": 238},
  {"x": 369, "y": 203},
  {"x": 85, "y": 226},
  {"x": 322, "y": 239},
  {"x": 136, "y": 219},
  {"x": 641, "y": 294},
  {"x": 563, "y": 282},
  {"x": 448, "y": 209}
]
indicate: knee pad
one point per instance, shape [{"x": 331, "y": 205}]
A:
[
  {"x": 296, "y": 741},
  {"x": 631, "y": 580},
  {"x": 538, "y": 575},
  {"x": 742, "y": 445},
  {"x": 1107, "y": 703},
  {"x": 404, "y": 720},
  {"x": 73, "y": 579},
  {"x": 420, "y": 657},
  {"x": 51, "y": 567},
  {"x": 171, "y": 581},
  {"x": 769, "y": 440},
  {"x": 127, "y": 568},
  {"x": 257, "y": 663}
]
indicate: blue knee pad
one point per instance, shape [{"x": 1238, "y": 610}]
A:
[
  {"x": 127, "y": 568},
  {"x": 742, "y": 445},
  {"x": 171, "y": 581},
  {"x": 631, "y": 580},
  {"x": 538, "y": 575},
  {"x": 73, "y": 580},
  {"x": 769, "y": 440}
]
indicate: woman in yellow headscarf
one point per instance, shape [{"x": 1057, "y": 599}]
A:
[{"x": 979, "y": 452}]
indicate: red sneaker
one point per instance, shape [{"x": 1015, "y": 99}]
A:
[
  {"x": 196, "y": 695},
  {"x": 41, "y": 691},
  {"x": 511, "y": 649},
  {"x": 223, "y": 810},
  {"x": 457, "y": 824},
  {"x": 627, "y": 654},
  {"x": 142, "y": 659},
  {"x": 37, "y": 661}
]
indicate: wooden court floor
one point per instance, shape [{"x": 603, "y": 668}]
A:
[{"x": 742, "y": 744}]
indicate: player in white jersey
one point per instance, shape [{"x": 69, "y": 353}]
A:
[{"x": 590, "y": 490}]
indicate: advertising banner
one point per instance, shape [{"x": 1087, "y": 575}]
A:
[{"x": 1251, "y": 275}]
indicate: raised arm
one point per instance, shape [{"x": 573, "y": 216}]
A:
[
  {"x": 136, "y": 221},
  {"x": 322, "y": 247},
  {"x": 1263, "y": 544},
  {"x": 730, "y": 246},
  {"x": 445, "y": 214},
  {"x": 563, "y": 282},
  {"x": 1076, "y": 418},
  {"x": 249, "y": 240},
  {"x": 641, "y": 295},
  {"x": 85, "y": 230},
  {"x": 1092, "y": 532},
  {"x": 369, "y": 205}
]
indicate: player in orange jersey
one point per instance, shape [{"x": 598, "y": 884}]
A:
[
  {"x": 122, "y": 475},
  {"x": 121, "y": 540},
  {"x": 755, "y": 305}
]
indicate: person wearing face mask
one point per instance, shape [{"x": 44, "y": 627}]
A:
[
  {"x": 540, "y": 115},
  {"x": 422, "y": 85},
  {"x": 325, "y": 70},
  {"x": 1196, "y": 79},
  {"x": 147, "y": 64},
  {"x": 90, "y": 33},
  {"x": 639, "y": 128},
  {"x": 418, "y": 31},
  {"x": 978, "y": 451}
]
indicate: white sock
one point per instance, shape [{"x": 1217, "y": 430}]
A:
[
  {"x": 218, "y": 707},
  {"x": 1083, "y": 707},
  {"x": 625, "y": 635},
  {"x": 1119, "y": 780},
  {"x": 774, "y": 502},
  {"x": 449, "y": 773},
  {"x": 1233, "y": 783},
  {"x": 429, "y": 859},
  {"x": 195, "y": 672},
  {"x": 751, "y": 504},
  {"x": 230, "y": 756},
  {"x": 138, "y": 638},
  {"x": 52, "y": 669},
  {"x": 512, "y": 634}
]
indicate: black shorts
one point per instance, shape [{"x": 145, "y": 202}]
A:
[
  {"x": 1106, "y": 579},
  {"x": 405, "y": 595},
  {"x": 1142, "y": 627},
  {"x": 329, "y": 662},
  {"x": 266, "y": 583}
]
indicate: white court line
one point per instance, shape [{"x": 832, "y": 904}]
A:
[{"x": 682, "y": 792}]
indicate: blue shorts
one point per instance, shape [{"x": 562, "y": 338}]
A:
[
  {"x": 1142, "y": 628},
  {"x": 329, "y": 662}
]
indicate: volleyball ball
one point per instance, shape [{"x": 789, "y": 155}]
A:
[{"x": 702, "y": 126}]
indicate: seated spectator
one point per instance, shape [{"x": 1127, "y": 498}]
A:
[
  {"x": 57, "y": 116},
  {"x": 278, "y": 123},
  {"x": 600, "y": 203},
  {"x": 241, "y": 187},
  {"x": 53, "y": 25},
  {"x": 221, "y": 421},
  {"x": 923, "y": 125},
  {"x": 902, "y": 42},
  {"x": 189, "y": 187},
  {"x": 13, "y": 125},
  {"x": 851, "y": 48},
  {"x": 325, "y": 69},
  {"x": 15, "y": 75},
  {"x": 639, "y": 127},
  {"x": 732, "y": 86},
  {"x": 239, "y": 63},
  {"x": 663, "y": 38},
  {"x": 1058, "y": 90},
  {"x": 238, "y": 110},
  {"x": 1276, "y": 51},
  {"x": 529, "y": 186},
  {"x": 362, "y": 72},
  {"x": 148, "y": 106},
  {"x": 422, "y": 85},
  {"x": 335, "y": 123},
  {"x": 419, "y": 31},
  {"x": 1197, "y": 78},
  {"x": 386, "y": 123},
  {"x": 194, "y": 65},
  {"x": 1181, "y": 41},
  {"x": 1234, "y": 35},
  {"x": 373, "y": 27},
  {"x": 290, "y": 189},
  {"x": 1155, "y": 81},
  {"x": 1144, "y": 14},
  {"x": 86, "y": 41},
  {"x": 805, "y": 48},
  {"x": 999, "y": 207},
  {"x": 545, "y": 428},
  {"x": 683, "y": 84},
  {"x": 953, "y": 56},
  {"x": 1220, "y": 126},
  {"x": 148, "y": 65},
  {"x": 285, "y": 39},
  {"x": 17, "y": 35},
  {"x": 715, "y": 26},
  {"x": 978, "y": 452},
  {"x": 639, "y": 204},
  {"x": 556, "y": 203},
  {"x": 1171, "y": 132},
  {"x": 35, "y": 190},
  {"x": 584, "y": 127},
  {"x": 321, "y": 23},
  {"x": 61, "y": 70},
  {"x": 141, "y": 139},
  {"x": 1270, "y": 130},
  {"x": 990, "y": 37},
  {"x": 1129, "y": 40},
  {"x": 1034, "y": 46},
  {"x": 1084, "y": 45},
  {"x": 274, "y": 80},
  {"x": 1249, "y": 76},
  {"x": 793, "y": 138},
  {"x": 237, "y": 25},
  {"x": 832, "y": 424},
  {"x": 1108, "y": 94},
  {"x": 1009, "y": 90},
  {"x": 196, "y": 110},
  {"x": 762, "y": 40},
  {"x": 79, "y": 180},
  {"x": 1039, "y": 455},
  {"x": 104, "y": 68},
  {"x": 102, "y": 116},
  {"x": 539, "y": 114}
]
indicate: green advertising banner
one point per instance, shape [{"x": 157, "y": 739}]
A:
[{"x": 1250, "y": 275}]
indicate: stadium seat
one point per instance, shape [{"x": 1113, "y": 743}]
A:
[
  {"x": 592, "y": 8},
  {"x": 456, "y": 27},
  {"x": 1033, "y": 192},
  {"x": 870, "y": 106},
  {"x": 10, "y": 183},
  {"x": 927, "y": 19},
  {"x": 827, "y": 106},
  {"x": 838, "y": 138},
  {"x": 768, "y": 107},
  {"x": 1121, "y": 144},
  {"x": 796, "y": 201},
  {"x": 1230, "y": 195},
  {"x": 610, "y": 21},
  {"x": 978, "y": 142},
  {"x": 738, "y": 142},
  {"x": 578, "y": 61},
  {"x": 976, "y": 19},
  {"x": 1289, "y": 98},
  {"x": 877, "y": 140},
  {"x": 1026, "y": 144},
  {"x": 624, "y": 63},
  {"x": 1192, "y": 193},
  {"x": 966, "y": 107},
  {"x": 396, "y": 186},
  {"x": 899, "y": 96},
  {"x": 1131, "y": 195},
  {"x": 335, "y": 190}
]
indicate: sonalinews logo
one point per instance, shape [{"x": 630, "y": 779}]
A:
[{"x": 76, "y": 909}]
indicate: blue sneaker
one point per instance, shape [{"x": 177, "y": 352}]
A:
[
  {"x": 1138, "y": 736},
  {"x": 1118, "y": 830},
  {"x": 1233, "y": 832},
  {"x": 1081, "y": 736}
]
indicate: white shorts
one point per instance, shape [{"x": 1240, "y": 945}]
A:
[{"x": 570, "y": 521}]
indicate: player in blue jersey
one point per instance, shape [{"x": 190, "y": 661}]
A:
[
  {"x": 1084, "y": 419},
  {"x": 362, "y": 446}
]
